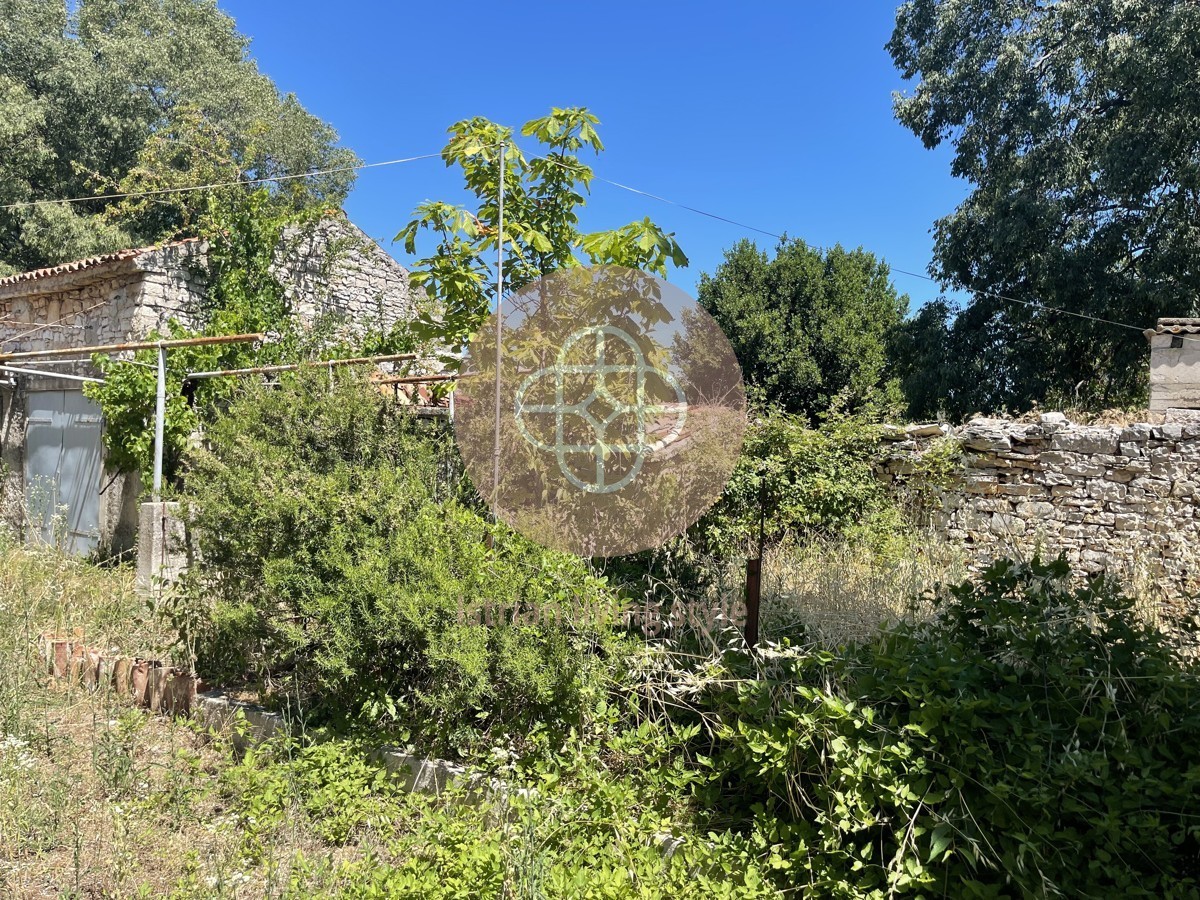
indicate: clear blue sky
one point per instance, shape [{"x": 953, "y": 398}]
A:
[{"x": 776, "y": 114}]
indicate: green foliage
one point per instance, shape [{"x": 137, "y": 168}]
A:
[
  {"x": 347, "y": 567},
  {"x": 812, "y": 482},
  {"x": 338, "y": 789},
  {"x": 796, "y": 482},
  {"x": 1075, "y": 123},
  {"x": 543, "y": 196},
  {"x": 242, "y": 296},
  {"x": 103, "y": 96},
  {"x": 807, "y": 326},
  {"x": 127, "y": 398},
  {"x": 1031, "y": 740},
  {"x": 566, "y": 827}
]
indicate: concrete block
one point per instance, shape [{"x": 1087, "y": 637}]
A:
[{"x": 162, "y": 546}]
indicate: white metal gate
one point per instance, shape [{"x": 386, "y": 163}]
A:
[{"x": 63, "y": 467}]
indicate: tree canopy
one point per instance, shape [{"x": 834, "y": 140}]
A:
[
  {"x": 112, "y": 96},
  {"x": 1077, "y": 123},
  {"x": 543, "y": 198},
  {"x": 807, "y": 326}
]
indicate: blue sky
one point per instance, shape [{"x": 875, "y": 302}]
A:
[{"x": 774, "y": 114}]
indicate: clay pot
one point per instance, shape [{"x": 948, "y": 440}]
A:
[
  {"x": 104, "y": 671},
  {"x": 180, "y": 694},
  {"x": 120, "y": 675},
  {"x": 139, "y": 676},
  {"x": 91, "y": 668},
  {"x": 76, "y": 665},
  {"x": 46, "y": 649}
]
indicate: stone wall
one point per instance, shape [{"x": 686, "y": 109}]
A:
[
  {"x": 331, "y": 270},
  {"x": 1123, "y": 499},
  {"x": 114, "y": 302}
]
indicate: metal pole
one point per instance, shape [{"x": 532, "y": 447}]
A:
[
  {"x": 499, "y": 332},
  {"x": 754, "y": 570},
  {"x": 290, "y": 367},
  {"x": 134, "y": 345},
  {"x": 414, "y": 379},
  {"x": 160, "y": 415},
  {"x": 63, "y": 375}
]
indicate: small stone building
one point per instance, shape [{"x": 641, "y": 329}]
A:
[
  {"x": 1174, "y": 364},
  {"x": 53, "y": 480}
]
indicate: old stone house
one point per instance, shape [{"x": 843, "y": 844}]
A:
[{"x": 54, "y": 484}]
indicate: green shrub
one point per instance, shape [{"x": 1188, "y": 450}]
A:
[
  {"x": 567, "y": 828},
  {"x": 1031, "y": 740},
  {"x": 346, "y": 566},
  {"x": 798, "y": 482}
]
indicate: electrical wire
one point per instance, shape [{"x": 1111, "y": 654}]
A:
[
  {"x": 980, "y": 291},
  {"x": 220, "y": 184},
  {"x": 984, "y": 292}
]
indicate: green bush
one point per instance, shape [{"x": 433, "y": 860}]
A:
[
  {"x": 566, "y": 828},
  {"x": 346, "y": 565},
  {"x": 798, "y": 482},
  {"x": 1031, "y": 740}
]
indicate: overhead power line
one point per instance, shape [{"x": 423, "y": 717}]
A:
[
  {"x": 220, "y": 184},
  {"x": 981, "y": 291}
]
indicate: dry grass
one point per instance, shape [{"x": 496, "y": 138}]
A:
[
  {"x": 834, "y": 592},
  {"x": 99, "y": 798}
]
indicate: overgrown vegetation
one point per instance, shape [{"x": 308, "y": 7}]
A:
[
  {"x": 1031, "y": 739},
  {"x": 347, "y": 564},
  {"x": 1019, "y": 736},
  {"x": 242, "y": 295}
]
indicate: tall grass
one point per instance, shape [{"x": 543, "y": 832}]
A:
[
  {"x": 43, "y": 591},
  {"x": 831, "y": 592}
]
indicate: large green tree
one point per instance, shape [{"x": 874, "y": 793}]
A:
[
  {"x": 1077, "y": 124},
  {"x": 807, "y": 326},
  {"x": 109, "y": 96}
]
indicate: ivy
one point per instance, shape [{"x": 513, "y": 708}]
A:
[{"x": 244, "y": 233}]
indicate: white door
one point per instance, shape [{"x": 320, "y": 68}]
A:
[{"x": 63, "y": 470}]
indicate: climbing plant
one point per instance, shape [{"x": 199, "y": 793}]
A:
[{"x": 242, "y": 296}]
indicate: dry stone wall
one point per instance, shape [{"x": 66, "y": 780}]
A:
[
  {"x": 330, "y": 268},
  {"x": 1122, "y": 499}
]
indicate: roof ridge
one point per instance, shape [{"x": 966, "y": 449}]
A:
[{"x": 88, "y": 262}]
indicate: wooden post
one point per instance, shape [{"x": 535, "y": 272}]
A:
[{"x": 754, "y": 569}]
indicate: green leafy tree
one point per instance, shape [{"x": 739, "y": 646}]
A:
[
  {"x": 1076, "y": 123},
  {"x": 543, "y": 196},
  {"x": 807, "y": 326},
  {"x": 104, "y": 96}
]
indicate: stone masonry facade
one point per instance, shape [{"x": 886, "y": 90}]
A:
[
  {"x": 330, "y": 271},
  {"x": 1118, "y": 499}
]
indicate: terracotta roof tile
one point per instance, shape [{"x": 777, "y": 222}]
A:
[
  {"x": 1176, "y": 327},
  {"x": 89, "y": 263}
]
